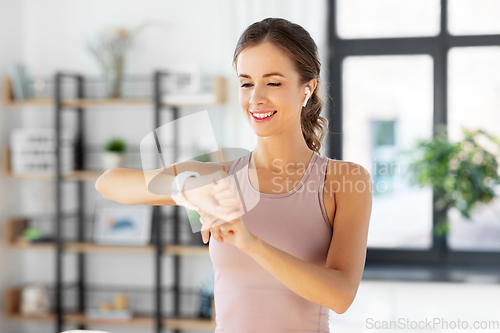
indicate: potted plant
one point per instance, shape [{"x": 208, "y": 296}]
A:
[
  {"x": 110, "y": 48},
  {"x": 114, "y": 153},
  {"x": 463, "y": 174}
]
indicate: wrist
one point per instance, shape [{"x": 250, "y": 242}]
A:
[
  {"x": 189, "y": 185},
  {"x": 177, "y": 189},
  {"x": 254, "y": 247}
]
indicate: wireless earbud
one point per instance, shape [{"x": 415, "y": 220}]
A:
[{"x": 308, "y": 92}]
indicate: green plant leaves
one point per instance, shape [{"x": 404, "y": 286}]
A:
[
  {"x": 463, "y": 173},
  {"x": 115, "y": 145}
]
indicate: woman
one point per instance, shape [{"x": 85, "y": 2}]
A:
[{"x": 278, "y": 266}]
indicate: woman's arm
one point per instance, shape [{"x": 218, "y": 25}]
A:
[{"x": 130, "y": 187}]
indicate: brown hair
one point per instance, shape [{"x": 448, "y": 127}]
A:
[{"x": 296, "y": 42}]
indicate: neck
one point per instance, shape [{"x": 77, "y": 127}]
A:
[{"x": 273, "y": 154}]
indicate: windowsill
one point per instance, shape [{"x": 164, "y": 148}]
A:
[{"x": 430, "y": 273}]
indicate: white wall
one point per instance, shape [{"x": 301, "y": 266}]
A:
[
  {"x": 50, "y": 36},
  {"x": 11, "y": 48},
  {"x": 193, "y": 31}
]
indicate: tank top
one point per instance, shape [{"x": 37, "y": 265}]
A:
[{"x": 247, "y": 297}]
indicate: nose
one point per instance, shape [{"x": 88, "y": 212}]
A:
[{"x": 258, "y": 96}]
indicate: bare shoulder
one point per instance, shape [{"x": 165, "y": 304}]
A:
[
  {"x": 343, "y": 171},
  {"x": 342, "y": 180}
]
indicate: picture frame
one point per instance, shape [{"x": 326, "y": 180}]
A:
[
  {"x": 183, "y": 79},
  {"x": 118, "y": 224}
]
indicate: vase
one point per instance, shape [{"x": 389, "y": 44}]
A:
[
  {"x": 112, "y": 160},
  {"x": 113, "y": 77}
]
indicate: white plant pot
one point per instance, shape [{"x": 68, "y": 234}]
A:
[{"x": 111, "y": 160}]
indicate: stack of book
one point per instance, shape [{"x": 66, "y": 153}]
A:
[{"x": 33, "y": 150}]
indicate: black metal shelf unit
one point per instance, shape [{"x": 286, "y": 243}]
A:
[{"x": 79, "y": 165}]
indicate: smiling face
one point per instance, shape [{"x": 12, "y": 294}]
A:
[{"x": 269, "y": 83}]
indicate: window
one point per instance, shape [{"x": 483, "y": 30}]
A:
[
  {"x": 474, "y": 102},
  {"x": 397, "y": 69},
  {"x": 474, "y": 17},
  {"x": 387, "y": 18},
  {"x": 387, "y": 104}
]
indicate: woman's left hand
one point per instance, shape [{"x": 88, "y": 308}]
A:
[{"x": 233, "y": 231}]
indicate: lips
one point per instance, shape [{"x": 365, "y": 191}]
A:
[{"x": 261, "y": 112}]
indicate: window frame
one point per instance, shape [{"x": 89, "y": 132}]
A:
[{"x": 437, "y": 47}]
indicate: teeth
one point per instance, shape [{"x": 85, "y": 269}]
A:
[{"x": 263, "y": 115}]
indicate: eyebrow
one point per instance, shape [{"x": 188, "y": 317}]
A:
[{"x": 265, "y": 75}]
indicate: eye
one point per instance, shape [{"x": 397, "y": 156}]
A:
[{"x": 246, "y": 85}]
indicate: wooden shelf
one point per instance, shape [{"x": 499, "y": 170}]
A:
[
  {"x": 170, "y": 323},
  {"x": 12, "y": 305},
  {"x": 181, "y": 250},
  {"x": 219, "y": 90},
  {"x": 186, "y": 250},
  {"x": 14, "y": 227}
]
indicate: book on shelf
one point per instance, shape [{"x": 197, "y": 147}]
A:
[{"x": 20, "y": 81}]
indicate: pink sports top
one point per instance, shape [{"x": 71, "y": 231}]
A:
[{"x": 247, "y": 297}]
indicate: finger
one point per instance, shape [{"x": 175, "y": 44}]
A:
[
  {"x": 202, "y": 213},
  {"x": 226, "y": 183},
  {"x": 228, "y": 209},
  {"x": 230, "y": 202},
  {"x": 225, "y": 194},
  {"x": 218, "y": 223},
  {"x": 230, "y": 215},
  {"x": 205, "y": 235},
  {"x": 220, "y": 185},
  {"x": 224, "y": 217},
  {"x": 227, "y": 198},
  {"x": 205, "y": 228},
  {"x": 229, "y": 229},
  {"x": 207, "y": 221},
  {"x": 217, "y": 234},
  {"x": 227, "y": 226},
  {"x": 235, "y": 215}
]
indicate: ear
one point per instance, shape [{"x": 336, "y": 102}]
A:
[
  {"x": 308, "y": 90},
  {"x": 312, "y": 85}
]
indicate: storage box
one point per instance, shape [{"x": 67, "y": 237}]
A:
[{"x": 33, "y": 150}]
